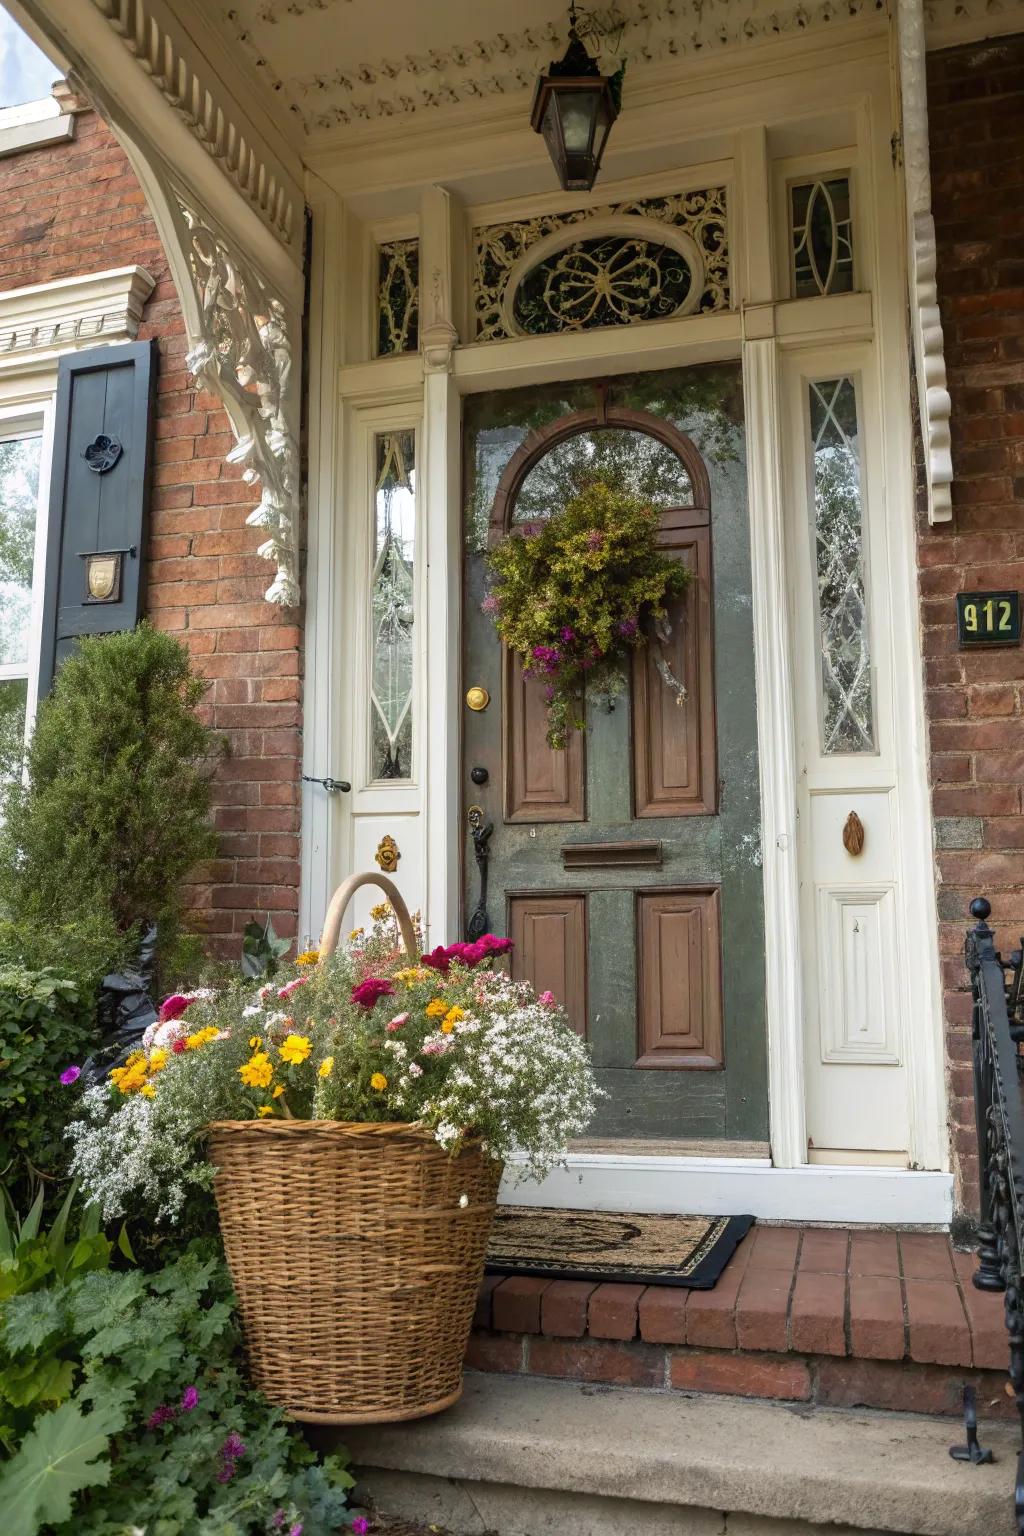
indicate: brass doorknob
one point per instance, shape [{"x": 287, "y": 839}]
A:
[{"x": 477, "y": 698}]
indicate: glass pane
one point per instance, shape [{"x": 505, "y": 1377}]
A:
[
  {"x": 822, "y": 237},
  {"x": 611, "y": 281},
  {"x": 398, "y": 273},
  {"x": 847, "y": 711},
  {"x": 13, "y": 703},
  {"x": 635, "y": 460},
  {"x": 19, "y": 494},
  {"x": 391, "y": 680}
]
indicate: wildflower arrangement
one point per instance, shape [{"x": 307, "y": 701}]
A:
[
  {"x": 573, "y": 595},
  {"x": 450, "y": 1043}
]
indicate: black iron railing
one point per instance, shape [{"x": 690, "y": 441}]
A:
[{"x": 998, "y": 1038}]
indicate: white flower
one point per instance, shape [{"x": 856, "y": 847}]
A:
[
  {"x": 463, "y": 1201},
  {"x": 251, "y": 1010}
]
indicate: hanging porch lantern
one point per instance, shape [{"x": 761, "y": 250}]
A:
[{"x": 574, "y": 107}]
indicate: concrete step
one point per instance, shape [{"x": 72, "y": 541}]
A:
[{"x": 522, "y": 1457}]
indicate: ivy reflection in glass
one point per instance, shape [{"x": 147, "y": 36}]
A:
[
  {"x": 847, "y": 709},
  {"x": 632, "y": 460},
  {"x": 392, "y": 605}
]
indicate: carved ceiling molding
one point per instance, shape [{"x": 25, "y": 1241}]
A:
[
  {"x": 245, "y": 347},
  {"x": 505, "y": 63},
  {"x": 188, "y": 83},
  {"x": 948, "y": 22},
  {"x": 934, "y": 403}
]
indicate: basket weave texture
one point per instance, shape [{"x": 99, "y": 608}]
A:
[{"x": 355, "y": 1265}]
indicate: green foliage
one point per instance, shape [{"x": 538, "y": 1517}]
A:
[
  {"x": 114, "y": 811},
  {"x": 141, "y": 1415},
  {"x": 574, "y": 594},
  {"x": 44, "y": 1026},
  {"x": 262, "y": 950}
]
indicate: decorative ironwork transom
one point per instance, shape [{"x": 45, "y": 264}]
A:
[
  {"x": 847, "y": 710},
  {"x": 398, "y": 296},
  {"x": 627, "y": 262},
  {"x": 821, "y": 229}
]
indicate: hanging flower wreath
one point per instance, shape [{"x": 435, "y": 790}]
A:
[{"x": 575, "y": 594}]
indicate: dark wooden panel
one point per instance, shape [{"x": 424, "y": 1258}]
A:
[
  {"x": 674, "y": 757},
  {"x": 540, "y": 783},
  {"x": 550, "y": 938},
  {"x": 680, "y": 979},
  {"x": 631, "y": 855}
]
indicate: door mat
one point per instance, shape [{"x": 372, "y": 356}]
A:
[{"x": 689, "y": 1251}]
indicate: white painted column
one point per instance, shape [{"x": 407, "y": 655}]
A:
[{"x": 442, "y": 542}]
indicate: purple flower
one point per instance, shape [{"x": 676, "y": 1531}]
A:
[
  {"x": 233, "y": 1447},
  {"x": 595, "y": 538},
  {"x": 278, "y": 1519},
  {"x": 627, "y": 627},
  {"x": 161, "y": 1415},
  {"x": 189, "y": 1399},
  {"x": 549, "y": 692},
  {"x": 70, "y": 1075},
  {"x": 365, "y": 995},
  {"x": 226, "y": 1472},
  {"x": 568, "y": 634},
  {"x": 296, "y": 1529},
  {"x": 490, "y": 604},
  {"x": 360, "y": 1526}
]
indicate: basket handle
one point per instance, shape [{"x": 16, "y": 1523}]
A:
[{"x": 340, "y": 900}]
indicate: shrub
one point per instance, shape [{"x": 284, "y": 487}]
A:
[{"x": 113, "y": 811}]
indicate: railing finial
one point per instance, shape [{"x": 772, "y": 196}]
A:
[{"x": 981, "y": 909}]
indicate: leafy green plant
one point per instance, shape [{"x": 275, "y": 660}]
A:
[
  {"x": 575, "y": 593},
  {"x": 150, "y": 1421},
  {"x": 113, "y": 812},
  {"x": 45, "y": 1025},
  {"x": 262, "y": 950}
]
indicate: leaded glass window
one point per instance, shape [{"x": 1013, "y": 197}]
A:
[
  {"x": 608, "y": 281},
  {"x": 635, "y": 460},
  {"x": 846, "y": 703},
  {"x": 19, "y": 497},
  {"x": 398, "y": 297},
  {"x": 822, "y": 237},
  {"x": 392, "y": 606}
]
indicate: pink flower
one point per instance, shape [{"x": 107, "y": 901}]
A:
[
  {"x": 189, "y": 1399},
  {"x": 486, "y": 946},
  {"x": 365, "y": 995},
  {"x": 595, "y": 539},
  {"x": 396, "y": 1023},
  {"x": 70, "y": 1075},
  {"x": 435, "y": 1046},
  {"x": 293, "y": 986},
  {"x": 172, "y": 1007},
  {"x": 548, "y": 999},
  {"x": 360, "y": 1526},
  {"x": 178, "y": 1047},
  {"x": 490, "y": 604},
  {"x": 161, "y": 1415}
]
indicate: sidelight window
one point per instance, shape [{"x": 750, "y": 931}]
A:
[
  {"x": 392, "y": 606},
  {"x": 19, "y": 500}
]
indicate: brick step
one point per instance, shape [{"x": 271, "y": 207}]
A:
[
  {"x": 883, "y": 1319},
  {"x": 521, "y": 1457}
]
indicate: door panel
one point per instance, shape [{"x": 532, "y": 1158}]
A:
[
  {"x": 627, "y": 868},
  {"x": 550, "y": 937}
]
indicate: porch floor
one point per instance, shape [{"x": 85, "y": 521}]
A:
[{"x": 842, "y": 1317}]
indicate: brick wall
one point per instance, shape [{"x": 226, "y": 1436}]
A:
[
  {"x": 976, "y": 113},
  {"x": 76, "y": 208}
]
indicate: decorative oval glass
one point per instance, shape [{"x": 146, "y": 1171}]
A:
[{"x": 609, "y": 279}]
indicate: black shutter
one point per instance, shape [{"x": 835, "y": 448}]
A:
[{"x": 99, "y": 496}]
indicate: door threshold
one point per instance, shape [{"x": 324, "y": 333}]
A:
[
  {"x": 680, "y": 1147},
  {"x": 733, "y": 1186}
]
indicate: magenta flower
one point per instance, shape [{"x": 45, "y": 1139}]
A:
[
  {"x": 161, "y": 1415},
  {"x": 438, "y": 960},
  {"x": 70, "y": 1075},
  {"x": 490, "y": 944},
  {"x": 568, "y": 635},
  {"x": 226, "y": 1472},
  {"x": 490, "y": 604},
  {"x": 627, "y": 627},
  {"x": 189, "y": 1399},
  {"x": 278, "y": 1519},
  {"x": 395, "y": 1024},
  {"x": 233, "y": 1447},
  {"x": 360, "y": 1526},
  {"x": 547, "y": 998},
  {"x": 174, "y": 1006},
  {"x": 296, "y": 1529},
  {"x": 293, "y": 986},
  {"x": 365, "y": 995}
]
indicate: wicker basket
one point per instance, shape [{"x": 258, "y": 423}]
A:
[{"x": 355, "y": 1261}]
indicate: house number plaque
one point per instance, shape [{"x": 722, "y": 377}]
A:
[{"x": 987, "y": 618}]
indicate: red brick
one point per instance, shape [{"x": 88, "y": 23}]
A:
[
  {"x": 621, "y": 1365},
  {"x": 762, "y": 1309},
  {"x": 563, "y": 1308},
  {"x": 710, "y": 1315},
  {"x": 485, "y": 1352},
  {"x": 874, "y": 1253},
  {"x": 985, "y": 1316},
  {"x": 818, "y": 1314},
  {"x": 905, "y": 1388},
  {"x": 482, "y": 1315},
  {"x": 740, "y": 1375},
  {"x": 662, "y": 1314},
  {"x": 612, "y": 1311},
  {"x": 515, "y": 1304},
  {"x": 937, "y": 1327},
  {"x": 926, "y": 1256},
  {"x": 876, "y": 1317},
  {"x": 774, "y": 1248},
  {"x": 824, "y": 1250}
]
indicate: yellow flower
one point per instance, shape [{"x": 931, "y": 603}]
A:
[
  {"x": 201, "y": 1037},
  {"x": 381, "y": 911},
  {"x": 278, "y": 1090},
  {"x": 148, "y": 1091},
  {"x": 257, "y": 1072},
  {"x": 134, "y": 1058},
  {"x": 308, "y": 957},
  {"x": 378, "y": 1082},
  {"x": 264, "y": 1110},
  {"x": 326, "y": 1067},
  {"x": 446, "y": 1026},
  {"x": 254, "y": 1042},
  {"x": 437, "y": 1008},
  {"x": 295, "y": 1048},
  {"x": 129, "y": 1079},
  {"x": 454, "y": 1014},
  {"x": 357, "y": 933},
  {"x": 157, "y": 1059}
]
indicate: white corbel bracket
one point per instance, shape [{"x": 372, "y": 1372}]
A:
[{"x": 926, "y": 325}]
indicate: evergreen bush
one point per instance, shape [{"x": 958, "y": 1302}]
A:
[{"x": 112, "y": 813}]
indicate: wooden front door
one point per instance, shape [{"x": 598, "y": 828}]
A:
[{"x": 627, "y": 867}]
